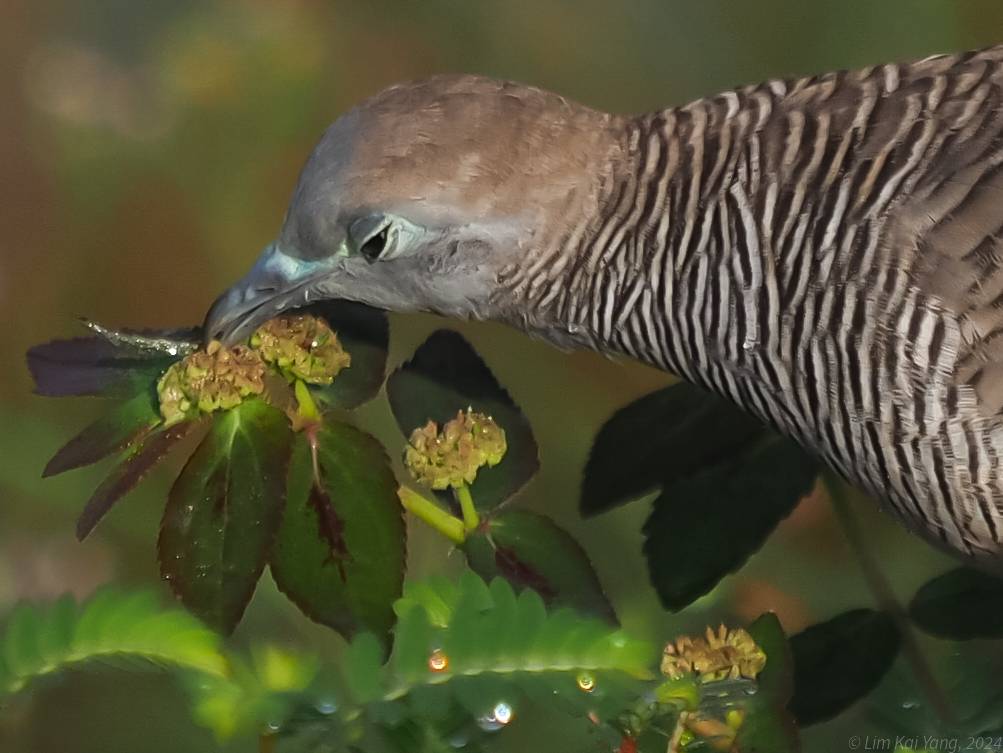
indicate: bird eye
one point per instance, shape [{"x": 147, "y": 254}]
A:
[{"x": 373, "y": 247}]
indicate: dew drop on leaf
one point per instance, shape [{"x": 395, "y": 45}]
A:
[
  {"x": 459, "y": 740},
  {"x": 500, "y": 715},
  {"x": 326, "y": 707},
  {"x": 438, "y": 661},
  {"x": 586, "y": 682}
]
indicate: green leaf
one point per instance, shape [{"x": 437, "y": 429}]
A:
[
  {"x": 445, "y": 376},
  {"x": 777, "y": 678},
  {"x": 531, "y": 551},
  {"x": 365, "y": 334},
  {"x": 491, "y": 630},
  {"x": 139, "y": 460},
  {"x": 111, "y": 625},
  {"x": 706, "y": 526},
  {"x": 363, "y": 668},
  {"x": 115, "y": 430},
  {"x": 223, "y": 511},
  {"x": 659, "y": 439},
  {"x": 960, "y": 605},
  {"x": 340, "y": 551},
  {"x": 769, "y": 727},
  {"x": 839, "y": 661}
]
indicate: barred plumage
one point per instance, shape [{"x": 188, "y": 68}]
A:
[{"x": 825, "y": 252}]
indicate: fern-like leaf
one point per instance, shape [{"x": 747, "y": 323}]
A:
[
  {"x": 486, "y": 644},
  {"x": 111, "y": 627}
]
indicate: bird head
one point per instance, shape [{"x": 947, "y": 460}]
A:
[{"x": 420, "y": 199}]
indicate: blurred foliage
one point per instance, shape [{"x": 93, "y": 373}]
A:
[{"x": 149, "y": 150}]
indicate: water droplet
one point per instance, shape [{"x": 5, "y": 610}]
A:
[
  {"x": 586, "y": 682},
  {"x": 910, "y": 705},
  {"x": 172, "y": 350},
  {"x": 459, "y": 740},
  {"x": 500, "y": 715},
  {"x": 326, "y": 706},
  {"x": 438, "y": 661},
  {"x": 273, "y": 726}
]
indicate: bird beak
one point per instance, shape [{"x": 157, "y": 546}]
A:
[{"x": 277, "y": 282}]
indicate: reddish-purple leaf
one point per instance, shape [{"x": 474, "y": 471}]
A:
[
  {"x": 121, "y": 427},
  {"x": 340, "y": 551},
  {"x": 531, "y": 551},
  {"x": 223, "y": 511},
  {"x": 113, "y": 364},
  {"x": 136, "y": 464}
]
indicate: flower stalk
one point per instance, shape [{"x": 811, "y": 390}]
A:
[
  {"x": 471, "y": 520},
  {"x": 426, "y": 510}
]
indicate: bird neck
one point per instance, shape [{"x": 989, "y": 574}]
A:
[{"x": 664, "y": 265}]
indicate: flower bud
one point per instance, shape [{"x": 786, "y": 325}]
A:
[
  {"x": 721, "y": 654},
  {"x": 451, "y": 457},
  {"x": 216, "y": 378},
  {"x": 301, "y": 347}
]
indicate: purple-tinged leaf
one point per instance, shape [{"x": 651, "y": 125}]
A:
[
  {"x": 365, "y": 334},
  {"x": 445, "y": 375},
  {"x": 93, "y": 366},
  {"x": 141, "y": 458},
  {"x": 119, "y": 428},
  {"x": 341, "y": 548},
  {"x": 531, "y": 551},
  {"x": 223, "y": 511}
]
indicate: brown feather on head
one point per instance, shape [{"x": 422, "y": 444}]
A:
[{"x": 417, "y": 198}]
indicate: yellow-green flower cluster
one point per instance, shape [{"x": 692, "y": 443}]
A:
[
  {"x": 451, "y": 457},
  {"x": 216, "y": 378},
  {"x": 719, "y": 655},
  {"x": 301, "y": 347}
]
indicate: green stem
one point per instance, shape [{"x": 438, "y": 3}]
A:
[
  {"x": 449, "y": 526},
  {"x": 307, "y": 408},
  {"x": 470, "y": 517},
  {"x": 885, "y": 596}
]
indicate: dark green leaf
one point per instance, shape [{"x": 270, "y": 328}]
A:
[
  {"x": 531, "y": 551},
  {"x": 706, "y": 526},
  {"x": 117, "y": 429},
  {"x": 767, "y": 729},
  {"x": 111, "y": 364},
  {"x": 777, "y": 678},
  {"x": 340, "y": 551},
  {"x": 446, "y": 375},
  {"x": 139, "y": 460},
  {"x": 659, "y": 439},
  {"x": 960, "y": 605},
  {"x": 365, "y": 334},
  {"x": 223, "y": 511},
  {"x": 839, "y": 661}
]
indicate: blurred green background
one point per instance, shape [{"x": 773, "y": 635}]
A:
[{"x": 148, "y": 149}]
